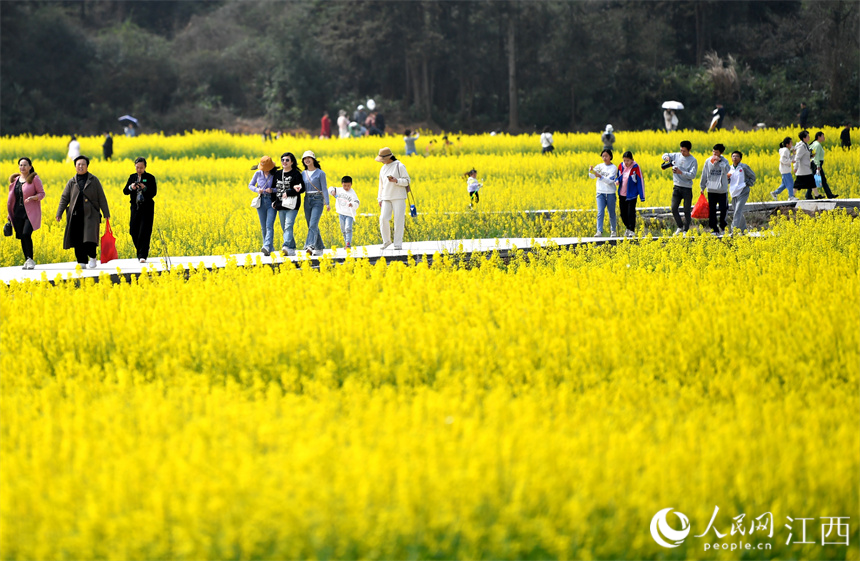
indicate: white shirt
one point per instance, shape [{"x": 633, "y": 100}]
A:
[
  {"x": 605, "y": 178},
  {"x": 545, "y": 140},
  {"x": 389, "y": 191},
  {"x": 342, "y": 200},
  {"x": 737, "y": 182}
]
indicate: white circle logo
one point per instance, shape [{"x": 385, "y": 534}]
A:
[{"x": 660, "y": 529}]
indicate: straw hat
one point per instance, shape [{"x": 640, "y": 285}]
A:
[
  {"x": 266, "y": 164},
  {"x": 384, "y": 154}
]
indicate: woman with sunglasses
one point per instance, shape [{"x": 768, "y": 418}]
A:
[{"x": 286, "y": 200}]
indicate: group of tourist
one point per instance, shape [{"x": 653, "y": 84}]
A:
[
  {"x": 84, "y": 203},
  {"x": 720, "y": 178},
  {"x": 279, "y": 192}
]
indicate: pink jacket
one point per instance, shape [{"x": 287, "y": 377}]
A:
[{"x": 33, "y": 186}]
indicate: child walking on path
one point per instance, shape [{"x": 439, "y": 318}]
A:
[
  {"x": 346, "y": 203},
  {"x": 473, "y": 187}
]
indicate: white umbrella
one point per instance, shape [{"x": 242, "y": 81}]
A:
[
  {"x": 128, "y": 118},
  {"x": 677, "y": 105}
]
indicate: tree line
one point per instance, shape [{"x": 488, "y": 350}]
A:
[{"x": 479, "y": 65}]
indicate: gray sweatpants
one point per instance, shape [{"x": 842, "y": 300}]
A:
[{"x": 738, "y": 204}]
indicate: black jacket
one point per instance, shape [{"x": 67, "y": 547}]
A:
[
  {"x": 149, "y": 191},
  {"x": 285, "y": 183}
]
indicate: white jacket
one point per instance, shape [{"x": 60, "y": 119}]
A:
[
  {"x": 342, "y": 200},
  {"x": 389, "y": 191},
  {"x": 785, "y": 160}
]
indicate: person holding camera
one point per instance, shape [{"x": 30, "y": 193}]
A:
[
  {"x": 141, "y": 189},
  {"x": 684, "y": 171}
]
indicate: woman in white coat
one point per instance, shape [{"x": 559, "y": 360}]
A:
[{"x": 393, "y": 186}]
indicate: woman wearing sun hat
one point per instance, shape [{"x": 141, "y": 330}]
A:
[
  {"x": 316, "y": 197},
  {"x": 262, "y": 183},
  {"x": 393, "y": 186}
]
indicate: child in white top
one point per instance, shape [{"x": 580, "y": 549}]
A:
[
  {"x": 473, "y": 186},
  {"x": 345, "y": 203}
]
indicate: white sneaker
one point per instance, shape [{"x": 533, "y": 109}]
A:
[
  {"x": 678, "y": 232},
  {"x": 613, "y": 234},
  {"x": 318, "y": 252},
  {"x": 598, "y": 234},
  {"x": 398, "y": 247},
  {"x": 385, "y": 245},
  {"x": 773, "y": 194},
  {"x": 29, "y": 264},
  {"x": 91, "y": 264},
  {"x": 142, "y": 260},
  {"x": 630, "y": 233},
  {"x": 792, "y": 199}
]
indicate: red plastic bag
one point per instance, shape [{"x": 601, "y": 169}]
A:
[
  {"x": 108, "y": 244},
  {"x": 701, "y": 209}
]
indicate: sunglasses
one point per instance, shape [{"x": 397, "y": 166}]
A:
[{"x": 286, "y": 160}]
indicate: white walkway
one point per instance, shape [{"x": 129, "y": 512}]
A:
[{"x": 419, "y": 250}]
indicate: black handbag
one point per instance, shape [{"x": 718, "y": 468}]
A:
[{"x": 7, "y": 229}]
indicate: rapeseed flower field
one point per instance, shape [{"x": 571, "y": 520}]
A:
[
  {"x": 202, "y": 207},
  {"x": 545, "y": 407}
]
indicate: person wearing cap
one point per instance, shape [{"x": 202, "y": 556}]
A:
[
  {"x": 141, "y": 189},
  {"x": 316, "y": 197},
  {"x": 84, "y": 202},
  {"x": 393, "y": 186},
  {"x": 262, "y": 183},
  {"x": 359, "y": 116},
  {"x": 608, "y": 138}
]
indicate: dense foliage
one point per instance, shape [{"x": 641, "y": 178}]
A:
[{"x": 74, "y": 67}]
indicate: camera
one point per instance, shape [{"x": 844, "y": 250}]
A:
[
  {"x": 667, "y": 165},
  {"x": 140, "y": 199}
]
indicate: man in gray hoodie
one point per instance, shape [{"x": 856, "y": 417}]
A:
[
  {"x": 715, "y": 177},
  {"x": 684, "y": 170}
]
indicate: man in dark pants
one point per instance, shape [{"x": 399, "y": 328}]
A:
[
  {"x": 715, "y": 179},
  {"x": 684, "y": 170},
  {"x": 141, "y": 188},
  {"x": 845, "y": 136}
]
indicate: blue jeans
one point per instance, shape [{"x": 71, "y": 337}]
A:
[
  {"x": 787, "y": 183},
  {"x": 346, "y": 223},
  {"x": 267, "y": 220},
  {"x": 288, "y": 218},
  {"x": 313, "y": 211},
  {"x": 604, "y": 201}
]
